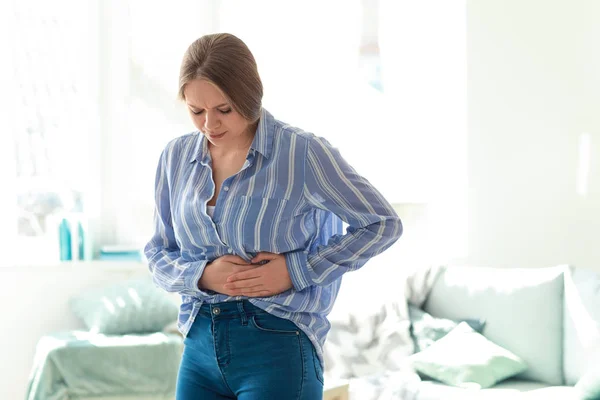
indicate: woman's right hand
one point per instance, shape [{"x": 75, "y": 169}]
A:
[{"x": 216, "y": 272}]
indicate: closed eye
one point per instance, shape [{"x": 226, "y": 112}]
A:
[{"x": 221, "y": 111}]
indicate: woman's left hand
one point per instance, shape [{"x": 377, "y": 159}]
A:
[{"x": 265, "y": 280}]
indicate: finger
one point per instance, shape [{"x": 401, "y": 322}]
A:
[
  {"x": 262, "y": 293},
  {"x": 242, "y": 268},
  {"x": 246, "y": 283},
  {"x": 236, "y": 260},
  {"x": 239, "y": 276},
  {"x": 240, "y": 290},
  {"x": 264, "y": 256}
]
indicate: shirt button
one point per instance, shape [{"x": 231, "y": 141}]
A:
[
  {"x": 216, "y": 310},
  {"x": 226, "y": 188},
  {"x": 230, "y": 250}
]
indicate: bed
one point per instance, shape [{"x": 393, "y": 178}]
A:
[{"x": 81, "y": 365}]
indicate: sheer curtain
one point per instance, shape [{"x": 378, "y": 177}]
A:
[
  {"x": 158, "y": 37},
  {"x": 424, "y": 74},
  {"x": 51, "y": 56}
]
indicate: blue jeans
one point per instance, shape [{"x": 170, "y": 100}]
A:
[{"x": 235, "y": 350}]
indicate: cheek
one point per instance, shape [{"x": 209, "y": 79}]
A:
[
  {"x": 197, "y": 121},
  {"x": 238, "y": 124}
]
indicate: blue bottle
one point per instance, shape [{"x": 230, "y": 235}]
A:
[
  {"x": 82, "y": 238},
  {"x": 64, "y": 239}
]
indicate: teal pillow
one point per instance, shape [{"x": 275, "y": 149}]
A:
[
  {"x": 465, "y": 358},
  {"x": 426, "y": 329},
  {"x": 132, "y": 306},
  {"x": 588, "y": 387}
]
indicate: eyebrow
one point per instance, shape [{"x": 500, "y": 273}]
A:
[{"x": 200, "y": 108}]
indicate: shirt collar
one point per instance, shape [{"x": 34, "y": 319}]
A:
[{"x": 262, "y": 142}]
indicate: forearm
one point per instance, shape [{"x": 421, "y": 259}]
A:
[
  {"x": 343, "y": 253},
  {"x": 332, "y": 185},
  {"x": 171, "y": 273}
]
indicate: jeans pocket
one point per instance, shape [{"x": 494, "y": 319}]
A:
[
  {"x": 318, "y": 366},
  {"x": 272, "y": 324}
]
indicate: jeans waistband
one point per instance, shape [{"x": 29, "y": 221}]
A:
[{"x": 230, "y": 310}]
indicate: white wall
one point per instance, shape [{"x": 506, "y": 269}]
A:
[
  {"x": 34, "y": 303},
  {"x": 533, "y": 84}
]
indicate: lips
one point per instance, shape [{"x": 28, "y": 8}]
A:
[{"x": 215, "y": 135}]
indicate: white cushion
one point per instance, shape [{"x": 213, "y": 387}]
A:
[
  {"x": 582, "y": 322},
  {"x": 522, "y": 308}
]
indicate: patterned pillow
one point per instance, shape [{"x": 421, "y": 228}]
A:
[
  {"x": 372, "y": 338},
  {"x": 132, "y": 306}
]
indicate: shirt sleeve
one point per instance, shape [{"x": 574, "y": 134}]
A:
[
  {"x": 169, "y": 270},
  {"x": 332, "y": 184}
]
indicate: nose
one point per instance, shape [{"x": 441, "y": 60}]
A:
[{"x": 211, "y": 121}]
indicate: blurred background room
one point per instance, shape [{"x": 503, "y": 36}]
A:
[{"x": 477, "y": 119}]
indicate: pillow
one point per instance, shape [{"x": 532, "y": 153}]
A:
[
  {"x": 522, "y": 307},
  {"x": 465, "y": 358},
  {"x": 132, "y": 306},
  {"x": 367, "y": 337},
  {"x": 425, "y": 329},
  {"x": 581, "y": 322},
  {"x": 588, "y": 387}
]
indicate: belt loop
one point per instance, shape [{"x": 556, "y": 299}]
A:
[{"x": 240, "y": 306}]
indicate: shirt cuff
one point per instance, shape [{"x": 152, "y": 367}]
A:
[
  {"x": 297, "y": 265},
  {"x": 194, "y": 272}
]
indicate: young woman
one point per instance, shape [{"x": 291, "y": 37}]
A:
[{"x": 249, "y": 216}]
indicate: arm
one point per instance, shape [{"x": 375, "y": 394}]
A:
[
  {"x": 170, "y": 272},
  {"x": 332, "y": 184}
]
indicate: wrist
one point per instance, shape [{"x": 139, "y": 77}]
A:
[{"x": 202, "y": 284}]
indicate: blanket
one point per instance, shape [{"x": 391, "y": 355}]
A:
[
  {"x": 81, "y": 364},
  {"x": 370, "y": 333}
]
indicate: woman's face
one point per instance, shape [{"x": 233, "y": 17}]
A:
[{"x": 213, "y": 115}]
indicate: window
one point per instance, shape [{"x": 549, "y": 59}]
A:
[{"x": 52, "y": 54}]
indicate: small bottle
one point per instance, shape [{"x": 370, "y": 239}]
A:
[
  {"x": 82, "y": 238},
  {"x": 75, "y": 239},
  {"x": 64, "y": 240}
]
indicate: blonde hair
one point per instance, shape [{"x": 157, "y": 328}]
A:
[{"x": 225, "y": 60}]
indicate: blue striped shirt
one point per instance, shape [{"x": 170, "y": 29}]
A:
[{"x": 290, "y": 198}]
